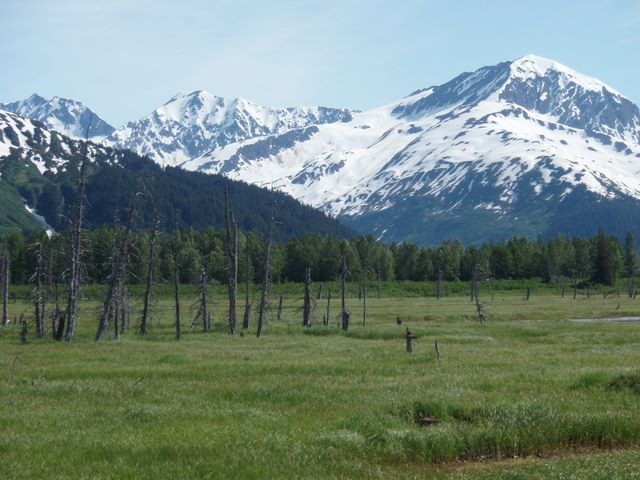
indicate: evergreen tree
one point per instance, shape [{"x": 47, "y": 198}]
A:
[
  {"x": 604, "y": 267},
  {"x": 630, "y": 261}
]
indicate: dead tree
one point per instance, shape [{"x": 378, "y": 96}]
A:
[
  {"x": 39, "y": 295},
  {"x": 246, "y": 319},
  {"x": 202, "y": 299},
  {"x": 279, "y": 317},
  {"x": 364, "y": 293},
  {"x": 481, "y": 316},
  {"x": 410, "y": 339},
  {"x": 23, "y": 330},
  {"x": 343, "y": 290},
  {"x": 53, "y": 286},
  {"x": 440, "y": 285},
  {"x": 176, "y": 275},
  {"x": 52, "y": 293},
  {"x": 58, "y": 316},
  {"x": 306, "y": 310},
  {"x": 4, "y": 273},
  {"x": 116, "y": 318},
  {"x": 232, "y": 252},
  {"x": 326, "y": 319},
  {"x": 75, "y": 257},
  {"x": 266, "y": 272},
  {"x": 574, "y": 278},
  {"x": 125, "y": 306},
  {"x": 379, "y": 278},
  {"x": 144, "y": 323},
  {"x": 474, "y": 284},
  {"x": 61, "y": 319},
  {"x": 116, "y": 281},
  {"x": 474, "y": 293}
]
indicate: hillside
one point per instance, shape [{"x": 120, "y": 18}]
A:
[
  {"x": 527, "y": 147},
  {"x": 41, "y": 166}
]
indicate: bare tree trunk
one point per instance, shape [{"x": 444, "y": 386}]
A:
[
  {"x": 116, "y": 319},
  {"x": 481, "y": 316},
  {"x": 246, "y": 320},
  {"x": 379, "y": 275},
  {"x": 326, "y": 321},
  {"x": 343, "y": 287},
  {"x": 125, "y": 305},
  {"x": 474, "y": 284},
  {"x": 306, "y": 311},
  {"x": 4, "y": 271},
  {"x": 116, "y": 281},
  {"x": 364, "y": 294},
  {"x": 152, "y": 260},
  {"x": 279, "y": 317},
  {"x": 52, "y": 291},
  {"x": 176, "y": 277},
  {"x": 203, "y": 297},
  {"x": 23, "y": 330},
  {"x": 202, "y": 302},
  {"x": 39, "y": 294},
  {"x": 61, "y": 323},
  {"x": 575, "y": 285},
  {"x": 176, "y": 289},
  {"x": 232, "y": 248},
  {"x": 266, "y": 273},
  {"x": 75, "y": 269},
  {"x": 57, "y": 317}
]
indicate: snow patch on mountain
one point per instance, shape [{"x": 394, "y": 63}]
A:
[
  {"x": 190, "y": 124},
  {"x": 63, "y": 115},
  {"x": 532, "y": 118}
]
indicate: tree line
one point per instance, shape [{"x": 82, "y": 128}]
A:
[{"x": 601, "y": 259}]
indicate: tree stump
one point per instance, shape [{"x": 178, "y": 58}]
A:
[
  {"x": 23, "y": 330},
  {"x": 410, "y": 338},
  {"x": 427, "y": 421}
]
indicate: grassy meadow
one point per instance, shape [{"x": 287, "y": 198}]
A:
[{"x": 529, "y": 394}]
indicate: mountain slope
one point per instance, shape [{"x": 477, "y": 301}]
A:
[
  {"x": 68, "y": 117},
  {"x": 191, "y": 124},
  {"x": 490, "y": 154},
  {"x": 41, "y": 166},
  {"x": 525, "y": 147}
]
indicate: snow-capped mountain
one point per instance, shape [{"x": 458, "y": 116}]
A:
[
  {"x": 33, "y": 144},
  {"x": 526, "y": 147},
  {"x": 494, "y": 144},
  {"x": 191, "y": 124},
  {"x": 39, "y": 177},
  {"x": 68, "y": 117}
]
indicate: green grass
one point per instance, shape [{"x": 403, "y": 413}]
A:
[
  {"x": 527, "y": 395},
  {"x": 13, "y": 215}
]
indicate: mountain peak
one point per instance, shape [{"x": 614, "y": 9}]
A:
[
  {"x": 64, "y": 115},
  {"x": 531, "y": 66},
  {"x": 185, "y": 95},
  {"x": 35, "y": 98}
]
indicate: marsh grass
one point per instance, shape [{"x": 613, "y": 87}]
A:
[{"x": 320, "y": 403}]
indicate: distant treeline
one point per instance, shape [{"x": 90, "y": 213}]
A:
[{"x": 600, "y": 259}]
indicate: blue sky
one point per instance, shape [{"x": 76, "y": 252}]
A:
[{"x": 123, "y": 58}]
